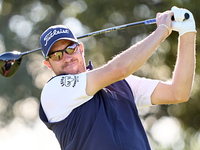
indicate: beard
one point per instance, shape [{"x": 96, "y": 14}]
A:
[{"x": 70, "y": 68}]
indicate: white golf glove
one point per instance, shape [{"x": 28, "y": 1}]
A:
[{"x": 181, "y": 24}]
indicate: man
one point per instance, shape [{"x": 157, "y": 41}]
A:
[{"x": 97, "y": 109}]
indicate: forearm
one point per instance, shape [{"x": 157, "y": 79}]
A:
[
  {"x": 185, "y": 67},
  {"x": 132, "y": 59}
]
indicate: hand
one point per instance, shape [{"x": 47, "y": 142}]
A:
[
  {"x": 180, "y": 24},
  {"x": 164, "y": 20}
]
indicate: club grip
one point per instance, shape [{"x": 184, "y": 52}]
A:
[{"x": 187, "y": 16}]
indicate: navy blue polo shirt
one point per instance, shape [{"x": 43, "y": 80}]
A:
[{"x": 109, "y": 121}]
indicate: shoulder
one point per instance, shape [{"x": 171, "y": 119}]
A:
[
  {"x": 62, "y": 94},
  {"x": 65, "y": 81},
  {"x": 142, "y": 89},
  {"x": 60, "y": 86}
]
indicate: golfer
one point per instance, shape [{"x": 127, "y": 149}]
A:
[{"x": 96, "y": 109}]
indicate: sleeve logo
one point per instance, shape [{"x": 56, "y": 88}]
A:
[{"x": 69, "y": 81}]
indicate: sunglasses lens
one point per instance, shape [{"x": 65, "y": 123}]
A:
[
  {"x": 69, "y": 50},
  {"x": 56, "y": 56},
  {"x": 59, "y": 54}
]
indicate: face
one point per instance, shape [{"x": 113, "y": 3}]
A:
[{"x": 69, "y": 64}]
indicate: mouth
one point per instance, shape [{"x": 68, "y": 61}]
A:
[{"x": 69, "y": 65}]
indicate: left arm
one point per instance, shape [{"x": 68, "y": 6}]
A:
[{"x": 179, "y": 89}]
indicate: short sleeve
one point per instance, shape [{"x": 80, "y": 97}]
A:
[
  {"x": 142, "y": 89},
  {"x": 62, "y": 94}
]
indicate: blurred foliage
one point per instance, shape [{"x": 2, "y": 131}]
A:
[{"x": 23, "y": 21}]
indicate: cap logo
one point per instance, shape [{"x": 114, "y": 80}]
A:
[{"x": 53, "y": 33}]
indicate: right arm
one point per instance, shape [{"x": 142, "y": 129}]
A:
[{"x": 130, "y": 60}]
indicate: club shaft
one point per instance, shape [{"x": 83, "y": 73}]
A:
[
  {"x": 31, "y": 51},
  {"x": 145, "y": 22}
]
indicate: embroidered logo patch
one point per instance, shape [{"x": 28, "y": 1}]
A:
[
  {"x": 69, "y": 80},
  {"x": 53, "y": 33}
]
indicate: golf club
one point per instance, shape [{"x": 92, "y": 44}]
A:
[{"x": 10, "y": 61}]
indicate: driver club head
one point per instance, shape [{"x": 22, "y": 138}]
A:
[{"x": 9, "y": 63}]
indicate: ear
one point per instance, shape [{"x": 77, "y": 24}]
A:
[
  {"x": 81, "y": 47},
  {"x": 47, "y": 64}
]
